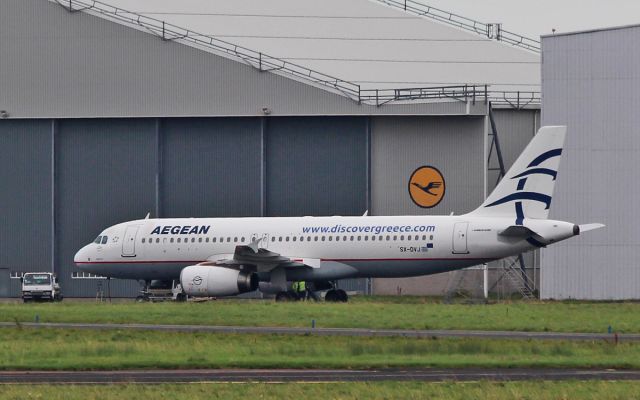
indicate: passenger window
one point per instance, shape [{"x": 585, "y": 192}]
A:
[
  {"x": 178, "y": 240},
  {"x": 308, "y": 238},
  {"x": 395, "y": 237},
  {"x": 171, "y": 240},
  {"x": 206, "y": 240},
  {"x": 279, "y": 238},
  {"x": 142, "y": 240},
  {"x": 359, "y": 238},
  {"x": 273, "y": 238},
  {"x": 431, "y": 237},
  {"x": 295, "y": 238},
  {"x": 242, "y": 239},
  {"x": 323, "y": 238},
  {"x": 287, "y": 238},
  {"x": 337, "y": 238},
  {"x": 199, "y": 240},
  {"x": 235, "y": 239},
  {"x": 330, "y": 238},
  {"x": 388, "y": 238},
  {"x": 104, "y": 239},
  {"x": 366, "y": 237},
  {"x": 401, "y": 237},
  {"x": 315, "y": 238},
  {"x": 158, "y": 240},
  {"x": 352, "y": 238},
  {"x": 213, "y": 240},
  {"x": 302, "y": 238},
  {"x": 373, "y": 237},
  {"x": 228, "y": 239}
]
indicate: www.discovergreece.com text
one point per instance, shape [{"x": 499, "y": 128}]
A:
[{"x": 376, "y": 229}]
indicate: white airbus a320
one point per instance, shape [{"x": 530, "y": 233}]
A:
[{"x": 228, "y": 256}]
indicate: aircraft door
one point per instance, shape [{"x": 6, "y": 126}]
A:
[
  {"x": 460, "y": 238},
  {"x": 129, "y": 242}
]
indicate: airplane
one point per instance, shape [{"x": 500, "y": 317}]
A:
[{"x": 213, "y": 257}]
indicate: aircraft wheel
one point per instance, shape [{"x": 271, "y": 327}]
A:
[
  {"x": 342, "y": 296},
  {"x": 331, "y": 296}
]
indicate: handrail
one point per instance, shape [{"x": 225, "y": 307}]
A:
[
  {"x": 491, "y": 31},
  {"x": 267, "y": 63}
]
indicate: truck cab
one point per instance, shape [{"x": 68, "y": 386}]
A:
[{"x": 40, "y": 286}]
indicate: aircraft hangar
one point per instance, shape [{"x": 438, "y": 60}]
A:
[{"x": 190, "y": 110}]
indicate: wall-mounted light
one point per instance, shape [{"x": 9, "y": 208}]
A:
[
  {"x": 266, "y": 110},
  {"x": 4, "y": 114}
]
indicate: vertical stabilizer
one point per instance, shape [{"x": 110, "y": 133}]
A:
[{"x": 527, "y": 188}]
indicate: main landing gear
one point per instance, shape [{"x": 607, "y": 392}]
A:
[
  {"x": 336, "y": 296},
  {"x": 333, "y": 295}
]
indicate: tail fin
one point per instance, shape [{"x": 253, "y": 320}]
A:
[{"x": 527, "y": 188}]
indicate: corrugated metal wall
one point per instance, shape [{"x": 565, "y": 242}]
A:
[
  {"x": 25, "y": 199},
  {"x": 590, "y": 82},
  {"x": 316, "y": 166},
  {"x": 400, "y": 145},
  {"x": 105, "y": 174},
  {"x": 211, "y": 167}
]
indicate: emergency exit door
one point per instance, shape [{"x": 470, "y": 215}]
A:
[
  {"x": 129, "y": 242},
  {"x": 460, "y": 238}
]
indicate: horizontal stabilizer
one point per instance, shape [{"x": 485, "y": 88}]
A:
[
  {"x": 517, "y": 231},
  {"x": 590, "y": 227}
]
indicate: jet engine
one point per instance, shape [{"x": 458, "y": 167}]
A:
[{"x": 207, "y": 280}]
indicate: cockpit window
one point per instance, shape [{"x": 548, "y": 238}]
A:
[
  {"x": 104, "y": 239},
  {"x": 97, "y": 241}
]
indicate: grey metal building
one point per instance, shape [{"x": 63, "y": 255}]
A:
[
  {"x": 103, "y": 121},
  {"x": 591, "y": 83}
]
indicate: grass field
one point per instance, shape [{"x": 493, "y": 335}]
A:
[
  {"x": 68, "y": 349},
  {"x": 363, "y": 312},
  {"x": 592, "y": 390}
]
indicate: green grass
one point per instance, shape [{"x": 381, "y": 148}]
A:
[
  {"x": 68, "y": 349},
  {"x": 392, "y": 312},
  {"x": 541, "y": 390}
]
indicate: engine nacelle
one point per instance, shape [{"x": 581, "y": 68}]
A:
[{"x": 205, "y": 281}]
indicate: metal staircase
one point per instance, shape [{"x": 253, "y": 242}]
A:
[{"x": 515, "y": 277}]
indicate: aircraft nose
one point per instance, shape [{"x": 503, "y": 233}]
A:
[{"x": 81, "y": 256}]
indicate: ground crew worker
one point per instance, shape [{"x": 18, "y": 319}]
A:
[{"x": 301, "y": 289}]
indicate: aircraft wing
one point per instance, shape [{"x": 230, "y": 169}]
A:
[{"x": 262, "y": 259}]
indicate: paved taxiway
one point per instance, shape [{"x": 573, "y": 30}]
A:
[
  {"x": 339, "y": 331},
  {"x": 289, "y": 375}
]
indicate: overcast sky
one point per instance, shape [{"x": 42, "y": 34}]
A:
[{"x": 537, "y": 17}]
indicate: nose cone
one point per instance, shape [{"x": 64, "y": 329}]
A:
[{"x": 82, "y": 256}]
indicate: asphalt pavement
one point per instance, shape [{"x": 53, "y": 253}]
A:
[
  {"x": 290, "y": 375},
  {"x": 429, "y": 333}
]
